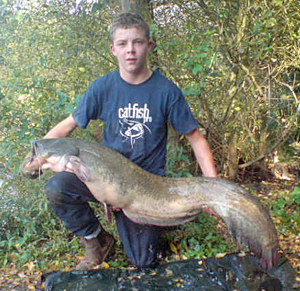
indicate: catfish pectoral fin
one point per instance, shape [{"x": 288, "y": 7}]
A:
[
  {"x": 76, "y": 166},
  {"x": 208, "y": 210},
  {"x": 158, "y": 221}
]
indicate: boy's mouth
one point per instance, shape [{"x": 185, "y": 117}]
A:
[{"x": 131, "y": 60}]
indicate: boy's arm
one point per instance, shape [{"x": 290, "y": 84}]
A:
[
  {"x": 202, "y": 152},
  {"x": 63, "y": 128}
]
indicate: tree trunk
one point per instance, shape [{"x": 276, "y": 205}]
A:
[
  {"x": 232, "y": 158},
  {"x": 138, "y": 6}
]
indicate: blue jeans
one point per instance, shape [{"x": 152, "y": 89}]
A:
[{"x": 69, "y": 197}]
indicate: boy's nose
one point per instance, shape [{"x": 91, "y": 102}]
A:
[{"x": 130, "y": 47}]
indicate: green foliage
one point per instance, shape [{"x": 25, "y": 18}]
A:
[
  {"x": 241, "y": 83},
  {"x": 178, "y": 161},
  {"x": 294, "y": 198},
  {"x": 28, "y": 228},
  {"x": 286, "y": 208},
  {"x": 49, "y": 56},
  {"x": 200, "y": 238}
]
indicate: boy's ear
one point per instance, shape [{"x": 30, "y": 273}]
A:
[
  {"x": 112, "y": 49},
  {"x": 150, "y": 45}
]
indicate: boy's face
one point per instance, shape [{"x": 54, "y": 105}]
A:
[{"x": 131, "y": 47}]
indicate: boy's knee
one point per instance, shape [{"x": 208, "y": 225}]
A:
[{"x": 53, "y": 190}]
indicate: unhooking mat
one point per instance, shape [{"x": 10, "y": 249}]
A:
[{"x": 232, "y": 272}]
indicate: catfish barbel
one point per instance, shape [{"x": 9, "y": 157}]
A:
[{"x": 146, "y": 198}]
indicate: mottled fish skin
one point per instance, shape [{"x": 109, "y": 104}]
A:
[{"x": 150, "y": 199}]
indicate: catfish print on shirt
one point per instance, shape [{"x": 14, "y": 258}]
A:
[{"x": 132, "y": 120}]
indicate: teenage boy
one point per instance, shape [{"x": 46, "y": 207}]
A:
[{"x": 135, "y": 104}]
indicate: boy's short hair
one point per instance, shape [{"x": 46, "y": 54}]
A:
[{"x": 128, "y": 20}]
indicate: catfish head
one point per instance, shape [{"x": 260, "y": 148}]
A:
[
  {"x": 58, "y": 155},
  {"x": 52, "y": 154}
]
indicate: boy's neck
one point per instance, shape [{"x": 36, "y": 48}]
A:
[{"x": 136, "y": 79}]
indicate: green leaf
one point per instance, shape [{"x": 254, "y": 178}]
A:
[{"x": 197, "y": 69}]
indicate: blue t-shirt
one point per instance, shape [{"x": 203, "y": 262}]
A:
[{"x": 136, "y": 116}]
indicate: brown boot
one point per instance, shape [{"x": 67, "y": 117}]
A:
[{"x": 96, "y": 250}]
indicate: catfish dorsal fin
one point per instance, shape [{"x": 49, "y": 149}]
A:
[{"x": 76, "y": 166}]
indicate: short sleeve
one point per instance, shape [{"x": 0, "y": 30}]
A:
[
  {"x": 181, "y": 116},
  {"x": 88, "y": 107}
]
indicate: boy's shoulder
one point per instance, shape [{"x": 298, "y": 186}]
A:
[
  {"x": 158, "y": 75},
  {"x": 104, "y": 83},
  {"x": 164, "y": 83},
  {"x": 107, "y": 77}
]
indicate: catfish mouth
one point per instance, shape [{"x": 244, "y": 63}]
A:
[
  {"x": 34, "y": 155},
  {"x": 35, "y": 163}
]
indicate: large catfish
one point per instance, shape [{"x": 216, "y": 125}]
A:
[{"x": 150, "y": 199}]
